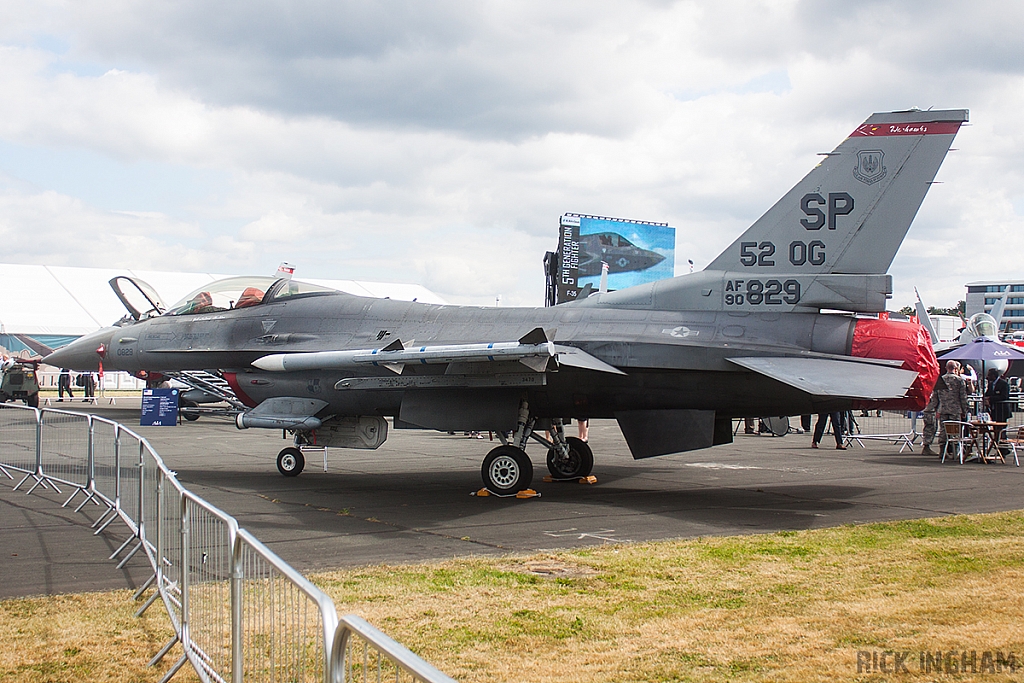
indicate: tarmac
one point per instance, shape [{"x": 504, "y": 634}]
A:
[{"x": 411, "y": 501}]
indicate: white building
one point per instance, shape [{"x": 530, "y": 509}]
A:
[{"x": 983, "y": 296}]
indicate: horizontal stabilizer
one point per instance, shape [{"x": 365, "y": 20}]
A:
[{"x": 834, "y": 378}]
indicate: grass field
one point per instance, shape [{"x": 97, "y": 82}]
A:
[{"x": 791, "y": 606}]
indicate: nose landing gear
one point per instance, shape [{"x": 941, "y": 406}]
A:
[{"x": 290, "y": 462}]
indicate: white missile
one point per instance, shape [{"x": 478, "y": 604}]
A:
[{"x": 391, "y": 357}]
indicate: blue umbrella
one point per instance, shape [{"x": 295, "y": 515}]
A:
[{"x": 985, "y": 348}]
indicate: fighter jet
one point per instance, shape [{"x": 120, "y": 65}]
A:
[
  {"x": 981, "y": 325},
  {"x": 620, "y": 254},
  {"x": 783, "y": 322}
]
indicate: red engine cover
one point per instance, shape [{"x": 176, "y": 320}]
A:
[{"x": 898, "y": 340}]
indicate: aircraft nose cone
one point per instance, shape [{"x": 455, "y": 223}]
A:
[{"x": 83, "y": 354}]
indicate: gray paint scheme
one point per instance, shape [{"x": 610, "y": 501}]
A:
[{"x": 676, "y": 345}]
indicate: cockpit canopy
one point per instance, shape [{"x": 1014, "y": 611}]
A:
[
  {"x": 612, "y": 239},
  {"x": 242, "y": 292},
  {"x": 982, "y": 325}
]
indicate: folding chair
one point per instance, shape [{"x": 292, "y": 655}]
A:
[
  {"x": 1014, "y": 443},
  {"x": 959, "y": 433}
]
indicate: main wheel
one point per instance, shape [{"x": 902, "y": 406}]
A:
[
  {"x": 32, "y": 400},
  {"x": 506, "y": 469},
  {"x": 290, "y": 462},
  {"x": 579, "y": 464}
]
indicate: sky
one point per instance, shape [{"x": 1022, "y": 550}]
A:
[{"x": 438, "y": 143}]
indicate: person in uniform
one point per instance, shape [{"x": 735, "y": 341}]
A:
[
  {"x": 929, "y": 420},
  {"x": 952, "y": 399}
]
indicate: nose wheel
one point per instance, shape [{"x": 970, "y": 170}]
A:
[
  {"x": 507, "y": 469},
  {"x": 290, "y": 462}
]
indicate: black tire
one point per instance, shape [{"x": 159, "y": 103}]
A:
[
  {"x": 581, "y": 460},
  {"x": 506, "y": 469},
  {"x": 187, "y": 412},
  {"x": 32, "y": 400},
  {"x": 290, "y": 462}
]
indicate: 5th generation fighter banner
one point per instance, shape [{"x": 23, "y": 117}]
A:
[{"x": 635, "y": 251}]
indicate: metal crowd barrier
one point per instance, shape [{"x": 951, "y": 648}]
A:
[
  {"x": 898, "y": 427},
  {"x": 238, "y": 611}
]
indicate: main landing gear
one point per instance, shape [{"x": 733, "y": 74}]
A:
[{"x": 508, "y": 470}]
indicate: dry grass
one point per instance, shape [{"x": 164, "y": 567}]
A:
[{"x": 780, "y": 607}]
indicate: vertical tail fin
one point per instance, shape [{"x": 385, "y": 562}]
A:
[
  {"x": 997, "y": 310},
  {"x": 850, "y": 214},
  {"x": 924, "y": 318}
]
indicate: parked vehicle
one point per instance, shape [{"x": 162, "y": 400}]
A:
[{"x": 20, "y": 382}]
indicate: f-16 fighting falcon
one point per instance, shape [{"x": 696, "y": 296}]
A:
[{"x": 672, "y": 361}]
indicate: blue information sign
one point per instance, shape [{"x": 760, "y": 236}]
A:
[{"x": 159, "y": 408}]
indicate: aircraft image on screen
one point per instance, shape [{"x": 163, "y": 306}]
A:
[
  {"x": 673, "y": 361},
  {"x": 619, "y": 253}
]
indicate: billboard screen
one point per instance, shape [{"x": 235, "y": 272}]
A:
[{"x": 635, "y": 251}]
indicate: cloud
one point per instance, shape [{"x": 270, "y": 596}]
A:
[{"x": 438, "y": 143}]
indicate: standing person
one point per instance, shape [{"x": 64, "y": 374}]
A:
[
  {"x": 952, "y": 399},
  {"x": 89, "y": 385},
  {"x": 64, "y": 384},
  {"x": 837, "y": 429},
  {"x": 583, "y": 429},
  {"x": 997, "y": 399},
  {"x": 929, "y": 419}
]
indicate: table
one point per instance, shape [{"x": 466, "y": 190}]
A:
[{"x": 989, "y": 433}]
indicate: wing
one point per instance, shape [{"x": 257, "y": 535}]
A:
[{"x": 834, "y": 378}]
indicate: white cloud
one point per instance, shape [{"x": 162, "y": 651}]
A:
[{"x": 439, "y": 143}]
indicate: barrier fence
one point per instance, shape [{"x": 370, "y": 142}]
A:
[
  {"x": 238, "y": 611},
  {"x": 904, "y": 428},
  {"x": 899, "y": 427}
]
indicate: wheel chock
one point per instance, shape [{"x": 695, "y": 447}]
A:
[
  {"x": 589, "y": 479},
  {"x": 522, "y": 495}
]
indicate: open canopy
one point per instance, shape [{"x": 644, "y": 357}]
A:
[{"x": 242, "y": 292}]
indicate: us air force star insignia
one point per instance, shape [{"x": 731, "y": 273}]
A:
[
  {"x": 681, "y": 332},
  {"x": 268, "y": 325}
]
